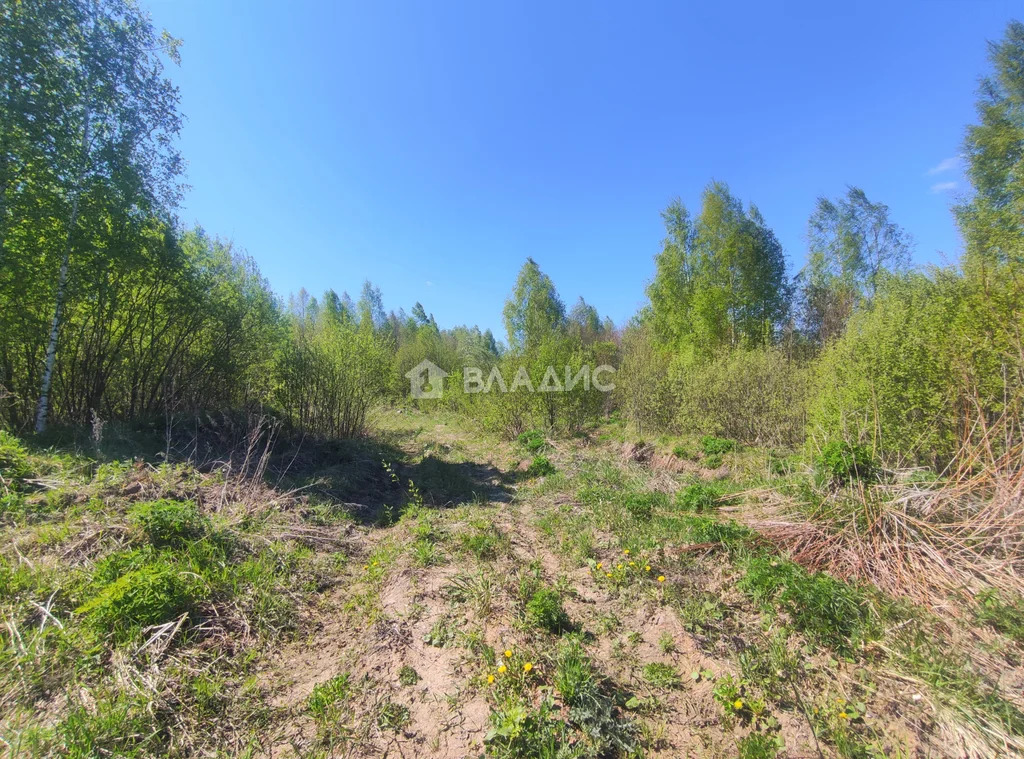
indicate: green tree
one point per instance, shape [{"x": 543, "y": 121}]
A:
[
  {"x": 533, "y": 310},
  {"x": 121, "y": 114},
  {"x": 852, "y": 242},
  {"x": 720, "y": 279},
  {"x": 992, "y": 220}
]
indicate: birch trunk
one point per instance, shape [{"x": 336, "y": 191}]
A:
[{"x": 62, "y": 280}]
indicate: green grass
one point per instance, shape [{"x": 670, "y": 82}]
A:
[
  {"x": 169, "y": 523},
  {"x": 156, "y": 592},
  {"x": 829, "y": 611}
]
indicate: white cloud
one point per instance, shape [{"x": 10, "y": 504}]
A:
[
  {"x": 429, "y": 283},
  {"x": 944, "y": 165},
  {"x": 943, "y": 187}
]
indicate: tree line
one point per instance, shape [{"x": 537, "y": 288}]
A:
[{"x": 110, "y": 309}]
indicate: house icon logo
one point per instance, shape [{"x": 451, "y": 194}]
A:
[{"x": 426, "y": 379}]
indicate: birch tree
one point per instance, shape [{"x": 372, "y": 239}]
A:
[{"x": 122, "y": 113}]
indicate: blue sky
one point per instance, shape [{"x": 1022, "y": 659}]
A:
[{"x": 432, "y": 146}]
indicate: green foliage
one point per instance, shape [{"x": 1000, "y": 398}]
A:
[
  {"x": 521, "y": 731},
  {"x": 661, "y": 675},
  {"x": 713, "y": 446},
  {"x": 720, "y": 278},
  {"x": 484, "y": 540},
  {"x": 14, "y": 464},
  {"x": 992, "y": 220},
  {"x": 408, "y": 676},
  {"x": 759, "y": 746},
  {"x": 642, "y": 504},
  {"x": 541, "y": 466},
  {"x": 544, "y": 610},
  {"x": 887, "y": 382},
  {"x": 533, "y": 310},
  {"x": 392, "y": 716},
  {"x": 119, "y": 726},
  {"x": 852, "y": 244},
  {"x": 331, "y": 371},
  {"x": 756, "y": 395},
  {"x": 532, "y": 441},
  {"x": 842, "y": 462},
  {"x": 826, "y": 609},
  {"x": 698, "y": 497},
  {"x": 170, "y": 523},
  {"x": 155, "y": 592}
]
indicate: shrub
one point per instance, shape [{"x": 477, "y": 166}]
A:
[
  {"x": 716, "y": 446},
  {"x": 532, "y": 441},
  {"x": 170, "y": 523},
  {"x": 544, "y": 610},
  {"x": 756, "y": 395},
  {"x": 154, "y": 593},
  {"x": 641, "y": 505},
  {"x": 894, "y": 378},
  {"x": 842, "y": 462},
  {"x": 14, "y": 466},
  {"x": 540, "y": 467}
]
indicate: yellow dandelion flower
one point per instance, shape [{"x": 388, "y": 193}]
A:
[
  {"x": 842, "y": 715},
  {"x": 490, "y": 678},
  {"x": 626, "y": 552},
  {"x": 366, "y": 566},
  {"x": 508, "y": 653},
  {"x": 737, "y": 704},
  {"x": 647, "y": 568},
  {"x": 607, "y": 574},
  {"x": 619, "y": 567},
  {"x": 502, "y": 669},
  {"x": 661, "y": 578},
  {"x": 600, "y": 564},
  {"x": 527, "y": 667}
]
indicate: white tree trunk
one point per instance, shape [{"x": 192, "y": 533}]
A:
[{"x": 62, "y": 280}]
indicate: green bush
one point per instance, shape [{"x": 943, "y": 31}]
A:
[
  {"x": 716, "y": 446},
  {"x": 154, "y": 593},
  {"x": 14, "y": 466},
  {"x": 756, "y": 395},
  {"x": 532, "y": 441},
  {"x": 170, "y": 523},
  {"x": 927, "y": 348},
  {"x": 642, "y": 504},
  {"x": 544, "y": 610},
  {"x": 842, "y": 462},
  {"x": 540, "y": 467},
  {"x": 698, "y": 497}
]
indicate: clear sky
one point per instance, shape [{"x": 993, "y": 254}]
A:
[{"x": 432, "y": 146}]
